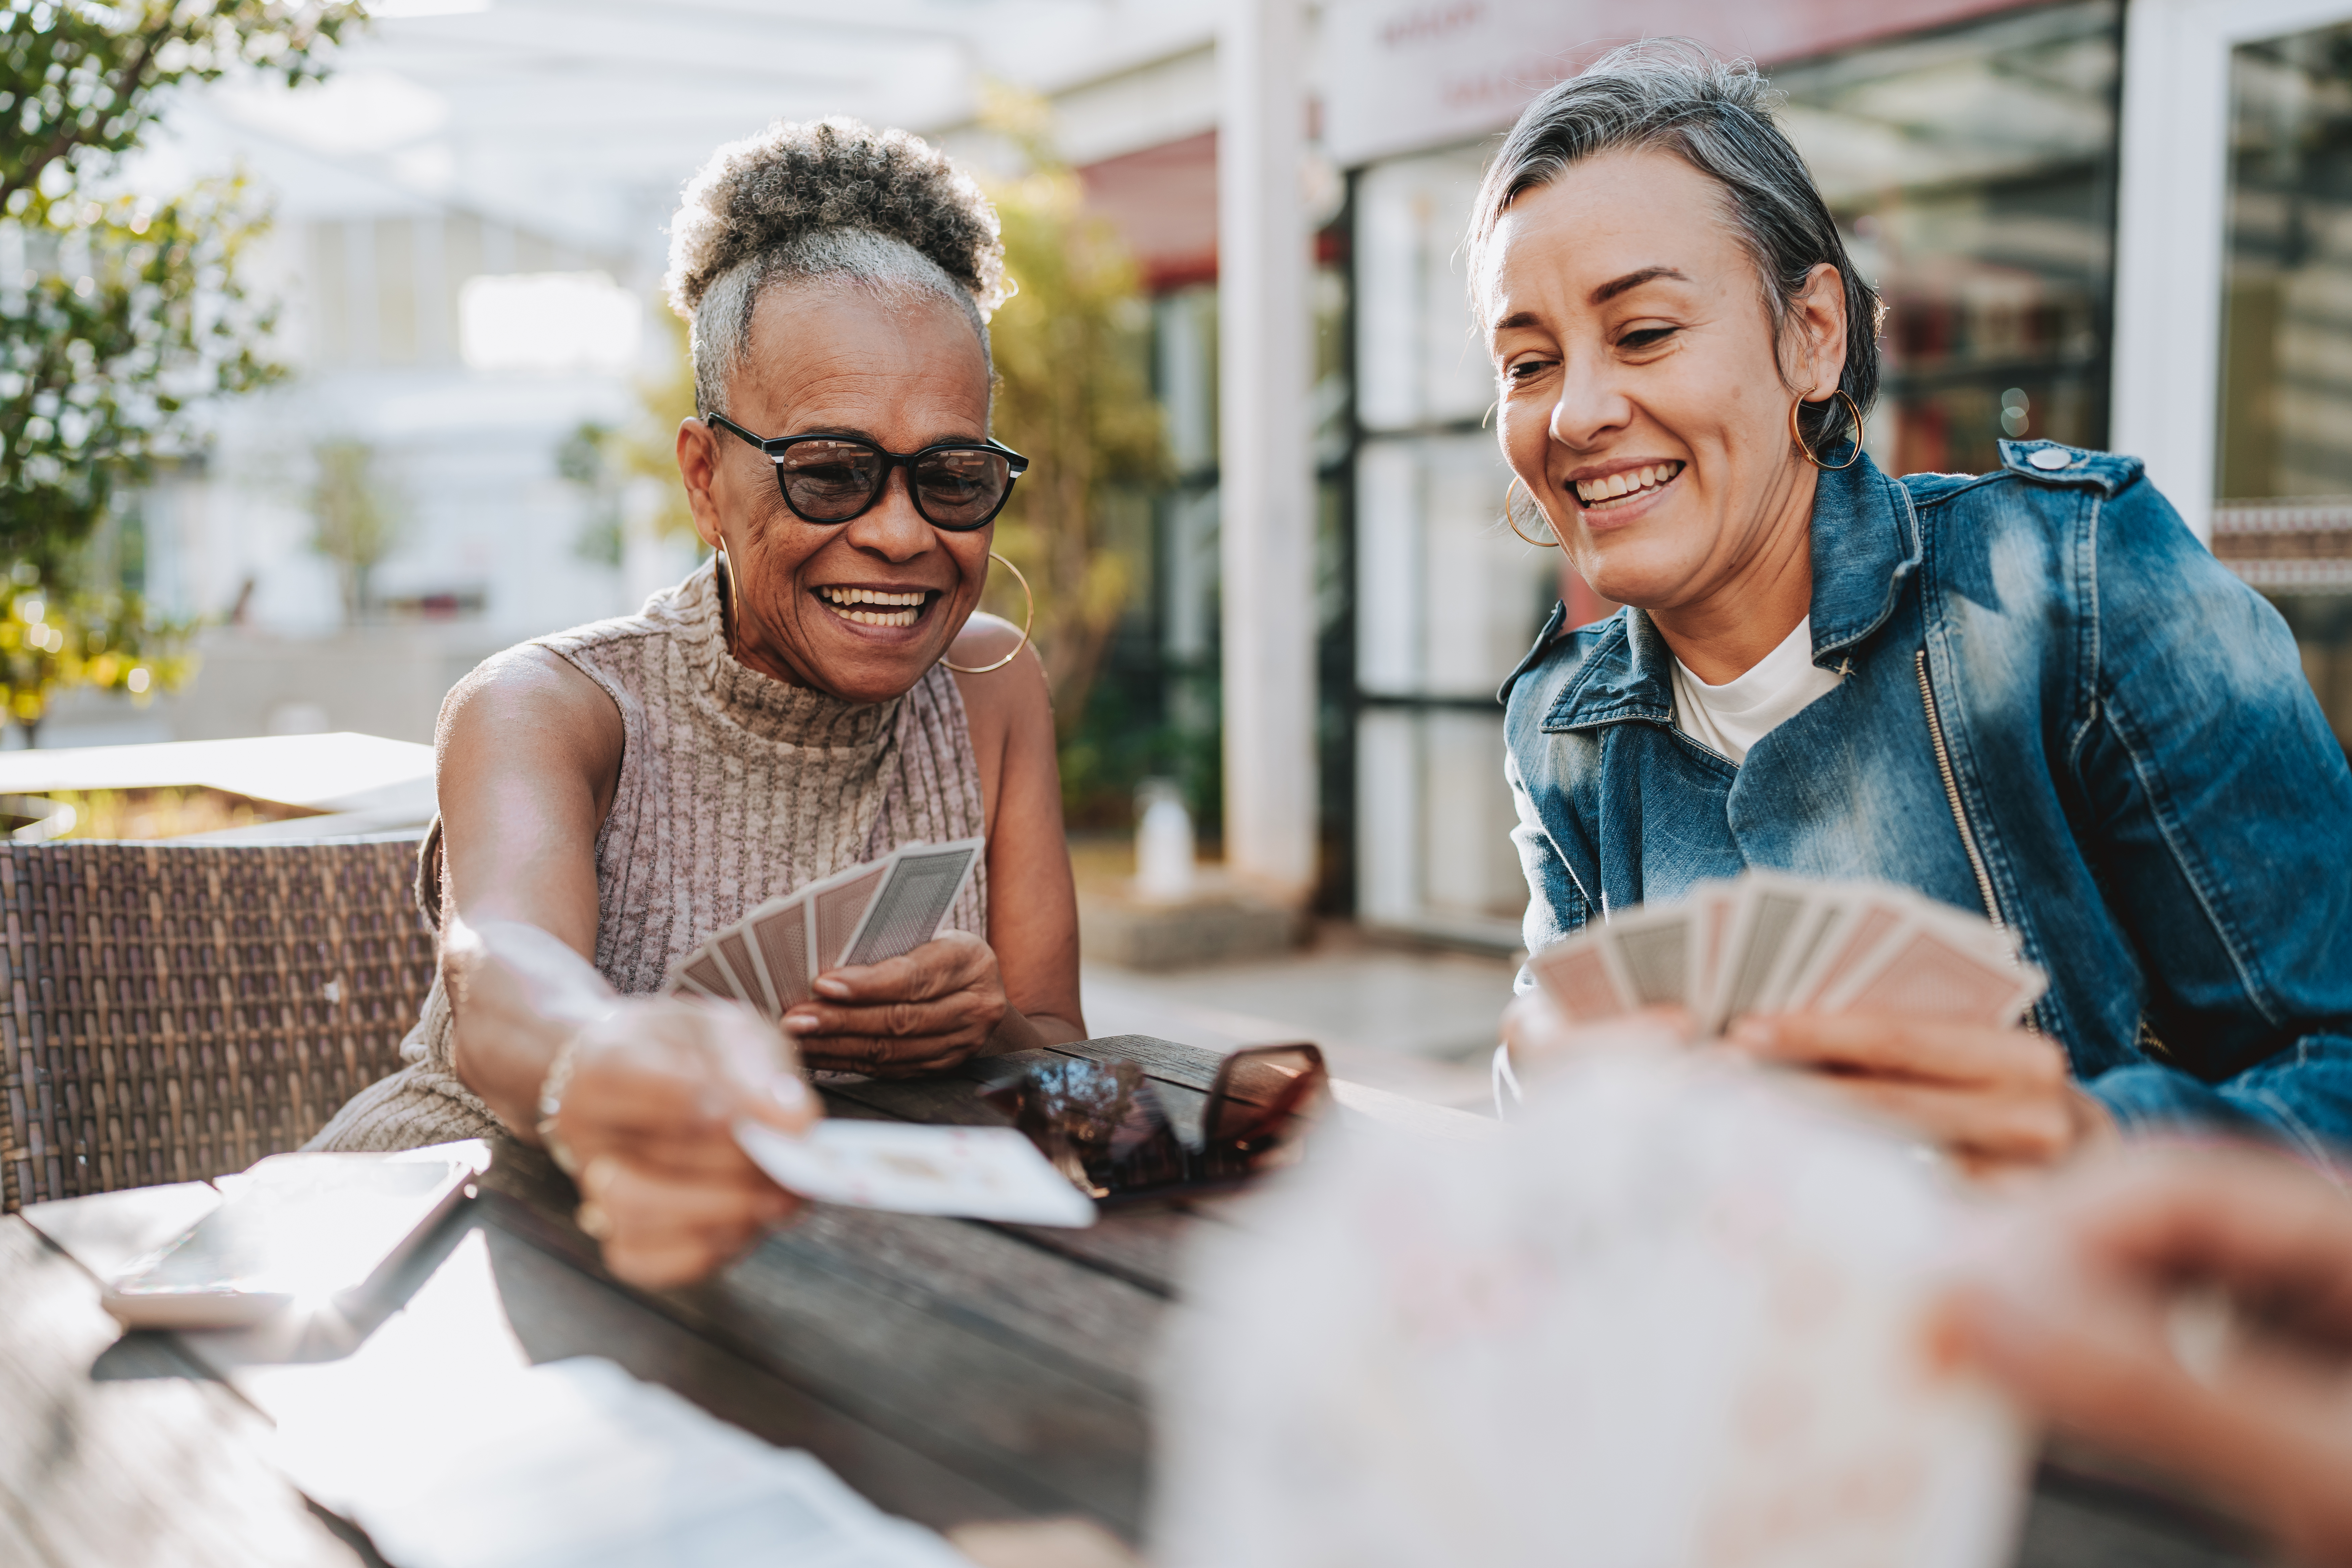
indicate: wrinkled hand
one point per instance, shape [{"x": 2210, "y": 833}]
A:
[
  {"x": 649, "y": 1117},
  {"x": 2076, "y": 1308},
  {"x": 1997, "y": 1100},
  {"x": 920, "y": 1012}
]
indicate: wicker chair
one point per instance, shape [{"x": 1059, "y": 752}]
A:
[{"x": 173, "y": 1012}]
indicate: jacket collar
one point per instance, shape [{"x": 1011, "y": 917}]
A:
[{"x": 1866, "y": 541}]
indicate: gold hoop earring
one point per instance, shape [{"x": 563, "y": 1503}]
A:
[
  {"x": 1807, "y": 452},
  {"x": 734, "y": 596},
  {"x": 1512, "y": 521},
  {"x": 1030, "y": 620}
]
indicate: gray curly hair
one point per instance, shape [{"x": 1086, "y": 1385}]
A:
[{"x": 825, "y": 199}]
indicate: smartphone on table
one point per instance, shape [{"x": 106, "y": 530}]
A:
[{"x": 295, "y": 1229}]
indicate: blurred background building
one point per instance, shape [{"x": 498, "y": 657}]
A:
[{"x": 2109, "y": 223}]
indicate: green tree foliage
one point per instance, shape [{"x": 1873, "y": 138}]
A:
[
  {"x": 118, "y": 312},
  {"x": 51, "y": 641},
  {"x": 123, "y": 308},
  {"x": 1074, "y": 397}
]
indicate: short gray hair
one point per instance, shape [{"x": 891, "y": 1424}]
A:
[
  {"x": 858, "y": 257},
  {"x": 1717, "y": 116},
  {"x": 825, "y": 199}
]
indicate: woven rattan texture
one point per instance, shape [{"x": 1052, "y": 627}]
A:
[{"x": 169, "y": 1013}]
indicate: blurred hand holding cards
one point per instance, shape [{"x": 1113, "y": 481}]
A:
[
  {"x": 771, "y": 958},
  {"x": 1674, "y": 1317},
  {"x": 1768, "y": 942}
]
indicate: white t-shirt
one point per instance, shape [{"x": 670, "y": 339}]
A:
[{"x": 1734, "y": 716}]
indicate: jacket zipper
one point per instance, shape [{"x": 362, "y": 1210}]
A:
[{"x": 1952, "y": 793}]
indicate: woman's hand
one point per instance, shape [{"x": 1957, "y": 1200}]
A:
[
  {"x": 931, "y": 1008},
  {"x": 1996, "y": 1100},
  {"x": 2078, "y": 1308},
  {"x": 648, "y": 1118}
]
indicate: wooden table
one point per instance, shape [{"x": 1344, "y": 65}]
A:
[{"x": 952, "y": 1371}]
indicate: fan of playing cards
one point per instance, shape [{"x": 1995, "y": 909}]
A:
[
  {"x": 869, "y": 912},
  {"x": 771, "y": 959},
  {"x": 1766, "y": 942}
]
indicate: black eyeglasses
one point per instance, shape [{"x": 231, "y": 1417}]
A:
[
  {"x": 956, "y": 485},
  {"x": 1103, "y": 1126}
]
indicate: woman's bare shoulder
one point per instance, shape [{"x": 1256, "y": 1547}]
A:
[
  {"x": 996, "y": 701},
  {"x": 527, "y": 704}
]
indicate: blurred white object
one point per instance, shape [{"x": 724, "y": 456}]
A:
[
  {"x": 1675, "y": 1317},
  {"x": 298, "y": 718},
  {"x": 366, "y": 783},
  {"x": 548, "y": 321},
  {"x": 1163, "y": 844}
]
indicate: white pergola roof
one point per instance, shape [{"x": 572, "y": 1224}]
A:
[{"x": 580, "y": 118}]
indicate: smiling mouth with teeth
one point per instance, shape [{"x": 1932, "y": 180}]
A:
[
  {"x": 1598, "y": 495},
  {"x": 876, "y": 606}
]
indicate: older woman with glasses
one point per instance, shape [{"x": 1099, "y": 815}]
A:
[{"x": 817, "y": 693}]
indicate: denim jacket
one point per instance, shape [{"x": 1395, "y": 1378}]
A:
[{"x": 2054, "y": 706}]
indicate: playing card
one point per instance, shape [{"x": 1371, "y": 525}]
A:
[
  {"x": 780, "y": 946},
  {"x": 734, "y": 955},
  {"x": 974, "y": 1173},
  {"x": 1653, "y": 951},
  {"x": 837, "y": 907},
  {"x": 1826, "y": 906},
  {"x": 701, "y": 971},
  {"x": 1584, "y": 978},
  {"x": 921, "y": 886},
  {"x": 1874, "y": 912},
  {"x": 1928, "y": 972},
  {"x": 1711, "y": 904},
  {"x": 1771, "y": 907}
]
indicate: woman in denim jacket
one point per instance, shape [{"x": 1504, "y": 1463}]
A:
[{"x": 2031, "y": 692}]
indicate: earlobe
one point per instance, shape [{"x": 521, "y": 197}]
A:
[{"x": 695, "y": 463}]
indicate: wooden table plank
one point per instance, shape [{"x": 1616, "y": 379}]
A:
[
  {"x": 952, "y": 1372},
  {"x": 123, "y": 1462}
]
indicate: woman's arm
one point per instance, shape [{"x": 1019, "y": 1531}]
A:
[
  {"x": 529, "y": 758},
  {"x": 957, "y": 997},
  {"x": 530, "y": 753},
  {"x": 1032, "y": 901},
  {"x": 2219, "y": 811}
]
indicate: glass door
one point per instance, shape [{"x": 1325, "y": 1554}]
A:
[
  {"x": 2282, "y": 458},
  {"x": 2233, "y": 298}
]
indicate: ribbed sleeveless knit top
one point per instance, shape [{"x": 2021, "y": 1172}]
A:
[{"x": 734, "y": 787}]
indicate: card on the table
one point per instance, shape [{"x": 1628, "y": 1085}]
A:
[
  {"x": 837, "y": 907},
  {"x": 914, "y": 899},
  {"x": 974, "y": 1173}
]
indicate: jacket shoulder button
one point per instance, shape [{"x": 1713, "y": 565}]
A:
[{"x": 2050, "y": 460}]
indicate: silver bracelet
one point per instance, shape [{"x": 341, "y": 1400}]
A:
[{"x": 550, "y": 1105}]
